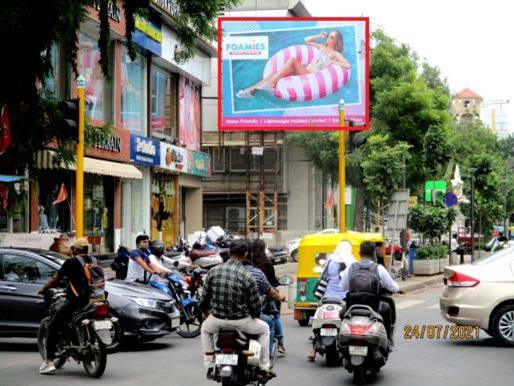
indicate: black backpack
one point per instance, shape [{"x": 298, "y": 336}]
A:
[
  {"x": 120, "y": 263},
  {"x": 364, "y": 278}
]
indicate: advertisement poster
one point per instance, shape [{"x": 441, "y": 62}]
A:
[
  {"x": 145, "y": 151},
  {"x": 291, "y": 74},
  {"x": 189, "y": 113},
  {"x": 173, "y": 158}
]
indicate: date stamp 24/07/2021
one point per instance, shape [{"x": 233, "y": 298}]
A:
[{"x": 439, "y": 331}]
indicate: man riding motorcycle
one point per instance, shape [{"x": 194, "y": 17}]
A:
[
  {"x": 230, "y": 297},
  {"x": 77, "y": 296},
  {"x": 363, "y": 280},
  {"x": 140, "y": 269}
]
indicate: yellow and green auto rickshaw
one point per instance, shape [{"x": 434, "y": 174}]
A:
[{"x": 312, "y": 255}]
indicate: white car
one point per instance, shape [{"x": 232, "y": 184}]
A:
[
  {"x": 481, "y": 295},
  {"x": 293, "y": 245}
]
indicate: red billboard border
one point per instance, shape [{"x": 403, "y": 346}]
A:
[{"x": 280, "y": 128}]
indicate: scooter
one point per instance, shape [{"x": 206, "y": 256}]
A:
[
  {"x": 363, "y": 341},
  {"x": 326, "y": 324}
]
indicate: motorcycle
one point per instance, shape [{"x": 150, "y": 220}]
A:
[
  {"x": 363, "y": 340},
  {"x": 190, "y": 313},
  {"x": 86, "y": 338},
  {"x": 236, "y": 359},
  {"x": 326, "y": 324}
]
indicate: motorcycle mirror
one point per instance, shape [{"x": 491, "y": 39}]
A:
[{"x": 285, "y": 280}]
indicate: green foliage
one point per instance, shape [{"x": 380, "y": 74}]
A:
[
  {"x": 382, "y": 167},
  {"x": 432, "y": 252},
  {"x": 431, "y": 221},
  {"x": 437, "y": 152}
]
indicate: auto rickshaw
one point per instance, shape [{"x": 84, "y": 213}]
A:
[{"x": 312, "y": 255}]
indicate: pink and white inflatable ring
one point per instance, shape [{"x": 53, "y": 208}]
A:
[{"x": 307, "y": 87}]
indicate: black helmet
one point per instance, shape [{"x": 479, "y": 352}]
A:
[{"x": 157, "y": 248}]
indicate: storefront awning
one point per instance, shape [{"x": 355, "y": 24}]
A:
[
  {"x": 44, "y": 160},
  {"x": 4, "y": 178}
]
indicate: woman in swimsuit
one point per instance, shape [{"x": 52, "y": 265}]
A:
[{"x": 330, "y": 53}]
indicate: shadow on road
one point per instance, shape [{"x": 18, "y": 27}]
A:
[
  {"x": 148, "y": 346},
  {"x": 16, "y": 346},
  {"x": 485, "y": 342}
]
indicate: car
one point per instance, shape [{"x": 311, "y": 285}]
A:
[
  {"x": 278, "y": 255},
  {"x": 293, "y": 245},
  {"x": 397, "y": 250},
  {"x": 481, "y": 294},
  {"x": 144, "y": 313}
]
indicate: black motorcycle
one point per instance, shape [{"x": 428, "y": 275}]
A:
[{"x": 85, "y": 339}]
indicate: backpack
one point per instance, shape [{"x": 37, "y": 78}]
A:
[
  {"x": 95, "y": 279},
  {"x": 321, "y": 286},
  {"x": 364, "y": 278},
  {"x": 120, "y": 263}
]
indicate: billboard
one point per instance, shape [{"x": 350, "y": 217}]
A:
[
  {"x": 189, "y": 102},
  {"x": 291, "y": 73}
]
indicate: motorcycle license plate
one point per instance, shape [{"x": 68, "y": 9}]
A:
[
  {"x": 226, "y": 359},
  {"x": 328, "y": 332},
  {"x": 175, "y": 322},
  {"x": 102, "y": 324},
  {"x": 359, "y": 350}
]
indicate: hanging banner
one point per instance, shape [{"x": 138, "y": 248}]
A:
[{"x": 291, "y": 73}]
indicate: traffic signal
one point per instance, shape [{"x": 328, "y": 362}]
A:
[{"x": 69, "y": 123}]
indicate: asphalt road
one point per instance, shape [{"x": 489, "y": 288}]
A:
[{"x": 176, "y": 361}]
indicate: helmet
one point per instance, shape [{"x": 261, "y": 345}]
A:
[{"x": 157, "y": 248}]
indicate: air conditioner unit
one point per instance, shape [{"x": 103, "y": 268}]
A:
[{"x": 235, "y": 218}]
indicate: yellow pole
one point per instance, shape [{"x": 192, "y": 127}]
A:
[
  {"x": 342, "y": 167},
  {"x": 79, "y": 180},
  {"x": 493, "y": 120}
]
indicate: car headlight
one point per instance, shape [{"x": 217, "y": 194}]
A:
[{"x": 145, "y": 302}]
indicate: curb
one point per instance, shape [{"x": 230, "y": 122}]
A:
[{"x": 425, "y": 283}]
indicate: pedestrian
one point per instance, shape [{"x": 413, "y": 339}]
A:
[{"x": 456, "y": 249}]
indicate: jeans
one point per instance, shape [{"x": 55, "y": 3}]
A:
[
  {"x": 271, "y": 324},
  {"x": 58, "y": 324}
]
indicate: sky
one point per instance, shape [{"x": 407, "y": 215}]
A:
[{"x": 470, "y": 41}]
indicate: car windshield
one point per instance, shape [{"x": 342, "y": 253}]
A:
[
  {"x": 500, "y": 256},
  {"x": 54, "y": 257}
]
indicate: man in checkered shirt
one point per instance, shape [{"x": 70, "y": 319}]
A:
[{"x": 231, "y": 298}]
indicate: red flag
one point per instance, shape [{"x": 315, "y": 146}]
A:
[
  {"x": 5, "y": 130},
  {"x": 330, "y": 201},
  {"x": 63, "y": 195}
]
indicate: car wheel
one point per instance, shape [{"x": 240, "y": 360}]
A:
[
  {"x": 294, "y": 255},
  {"x": 503, "y": 325}
]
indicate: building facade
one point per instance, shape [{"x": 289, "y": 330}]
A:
[
  {"x": 148, "y": 176},
  {"x": 466, "y": 106}
]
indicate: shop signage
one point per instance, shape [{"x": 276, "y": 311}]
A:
[
  {"x": 145, "y": 151},
  {"x": 148, "y": 35},
  {"x": 174, "y": 158},
  {"x": 169, "y": 7},
  {"x": 113, "y": 12},
  {"x": 112, "y": 143},
  {"x": 199, "y": 164}
]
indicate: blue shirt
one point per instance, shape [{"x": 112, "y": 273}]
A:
[{"x": 333, "y": 287}]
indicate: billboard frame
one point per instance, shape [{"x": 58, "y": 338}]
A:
[{"x": 347, "y": 126}]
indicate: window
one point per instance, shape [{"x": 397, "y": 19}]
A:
[
  {"x": 18, "y": 268},
  {"x": 133, "y": 88},
  {"x": 270, "y": 159},
  {"x": 218, "y": 159},
  {"x": 89, "y": 67},
  {"x": 52, "y": 81},
  {"x": 238, "y": 160},
  {"x": 163, "y": 105},
  {"x": 466, "y": 103}
]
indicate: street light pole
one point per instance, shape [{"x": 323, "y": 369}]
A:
[{"x": 342, "y": 167}]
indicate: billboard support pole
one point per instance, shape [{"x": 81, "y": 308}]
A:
[
  {"x": 79, "y": 179},
  {"x": 342, "y": 167}
]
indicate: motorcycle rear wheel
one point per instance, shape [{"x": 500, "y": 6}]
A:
[
  {"x": 42, "y": 334},
  {"x": 95, "y": 367},
  {"x": 332, "y": 356},
  {"x": 359, "y": 375}
]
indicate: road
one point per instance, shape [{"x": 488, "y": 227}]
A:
[{"x": 176, "y": 361}]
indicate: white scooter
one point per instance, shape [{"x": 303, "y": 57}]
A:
[{"x": 325, "y": 327}]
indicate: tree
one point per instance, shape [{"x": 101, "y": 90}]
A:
[
  {"x": 437, "y": 152},
  {"x": 28, "y": 60},
  {"x": 382, "y": 168},
  {"x": 432, "y": 221}
]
